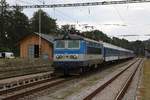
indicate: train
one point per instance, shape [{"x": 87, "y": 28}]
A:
[{"x": 77, "y": 54}]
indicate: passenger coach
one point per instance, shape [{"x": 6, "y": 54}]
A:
[{"x": 112, "y": 52}]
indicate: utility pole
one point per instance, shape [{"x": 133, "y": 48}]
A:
[
  {"x": 40, "y": 32},
  {"x": 40, "y": 40}
]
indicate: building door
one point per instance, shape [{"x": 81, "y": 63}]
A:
[
  {"x": 33, "y": 51},
  {"x": 36, "y": 51}
]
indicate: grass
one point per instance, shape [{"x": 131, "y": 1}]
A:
[
  {"x": 23, "y": 62},
  {"x": 146, "y": 81},
  {"x": 18, "y": 66}
]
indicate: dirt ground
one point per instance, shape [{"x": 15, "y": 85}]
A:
[{"x": 145, "y": 91}]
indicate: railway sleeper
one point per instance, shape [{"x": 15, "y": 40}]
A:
[{"x": 22, "y": 82}]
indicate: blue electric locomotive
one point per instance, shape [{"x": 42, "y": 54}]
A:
[{"x": 74, "y": 53}]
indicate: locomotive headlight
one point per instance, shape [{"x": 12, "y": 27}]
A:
[
  {"x": 74, "y": 56},
  {"x": 59, "y": 56}
]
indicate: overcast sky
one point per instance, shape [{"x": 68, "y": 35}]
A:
[{"x": 114, "y": 20}]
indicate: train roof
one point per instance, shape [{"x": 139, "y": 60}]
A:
[
  {"x": 76, "y": 37},
  {"x": 79, "y": 37},
  {"x": 69, "y": 37},
  {"x": 108, "y": 45}
]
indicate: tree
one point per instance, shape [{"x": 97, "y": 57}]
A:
[
  {"x": 48, "y": 25},
  {"x": 14, "y": 25},
  {"x": 97, "y": 35},
  {"x": 138, "y": 47},
  {"x": 68, "y": 29},
  {"x": 21, "y": 26},
  {"x": 4, "y": 13}
]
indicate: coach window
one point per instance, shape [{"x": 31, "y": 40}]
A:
[
  {"x": 93, "y": 50},
  {"x": 73, "y": 44},
  {"x": 60, "y": 44}
]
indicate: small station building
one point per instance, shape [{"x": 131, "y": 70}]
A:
[{"x": 36, "y": 45}]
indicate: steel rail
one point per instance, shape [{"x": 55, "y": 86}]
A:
[
  {"x": 120, "y": 95},
  {"x": 2, "y": 78},
  {"x": 29, "y": 90},
  {"x": 99, "y": 89},
  {"x": 24, "y": 86}
]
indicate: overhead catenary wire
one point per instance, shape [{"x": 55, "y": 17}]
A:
[
  {"x": 67, "y": 16},
  {"x": 120, "y": 16},
  {"x": 24, "y": 2},
  {"x": 41, "y": 1},
  {"x": 81, "y": 4},
  {"x": 28, "y": 2}
]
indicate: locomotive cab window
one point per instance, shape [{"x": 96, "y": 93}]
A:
[
  {"x": 60, "y": 44},
  {"x": 73, "y": 44}
]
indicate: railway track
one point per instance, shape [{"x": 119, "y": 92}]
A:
[
  {"x": 3, "y": 75},
  {"x": 12, "y": 88},
  {"x": 116, "y": 86},
  {"x": 32, "y": 85},
  {"x": 27, "y": 90},
  {"x": 27, "y": 85}
]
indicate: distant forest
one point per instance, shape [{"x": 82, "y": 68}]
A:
[{"x": 14, "y": 25}]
